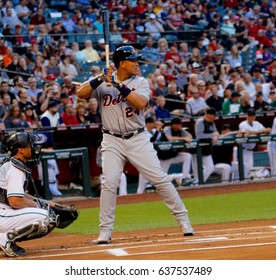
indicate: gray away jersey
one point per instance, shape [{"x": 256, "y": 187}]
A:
[{"x": 118, "y": 115}]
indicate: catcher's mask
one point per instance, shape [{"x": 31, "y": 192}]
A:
[
  {"x": 124, "y": 53},
  {"x": 13, "y": 142}
]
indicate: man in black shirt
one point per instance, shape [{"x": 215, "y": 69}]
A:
[{"x": 214, "y": 100}]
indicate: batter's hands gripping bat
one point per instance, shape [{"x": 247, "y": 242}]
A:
[{"x": 105, "y": 16}]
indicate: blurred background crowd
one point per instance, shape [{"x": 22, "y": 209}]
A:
[{"x": 195, "y": 54}]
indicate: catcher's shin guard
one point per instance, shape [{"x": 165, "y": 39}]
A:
[{"x": 28, "y": 232}]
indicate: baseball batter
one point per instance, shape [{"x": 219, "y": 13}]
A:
[{"x": 124, "y": 138}]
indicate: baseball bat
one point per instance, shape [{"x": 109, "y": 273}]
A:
[{"x": 105, "y": 16}]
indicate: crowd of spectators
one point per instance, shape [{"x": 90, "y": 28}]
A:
[{"x": 46, "y": 49}]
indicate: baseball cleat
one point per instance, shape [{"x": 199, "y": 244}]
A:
[
  {"x": 187, "y": 229},
  {"x": 104, "y": 238},
  {"x": 12, "y": 250}
]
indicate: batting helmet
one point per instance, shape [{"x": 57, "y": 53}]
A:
[
  {"x": 124, "y": 53},
  {"x": 18, "y": 140}
]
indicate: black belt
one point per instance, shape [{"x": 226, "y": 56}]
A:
[{"x": 126, "y": 135}]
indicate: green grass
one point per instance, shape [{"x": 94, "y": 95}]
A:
[{"x": 244, "y": 206}]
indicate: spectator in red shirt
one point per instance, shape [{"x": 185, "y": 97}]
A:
[
  {"x": 38, "y": 18},
  {"x": 263, "y": 40},
  {"x": 3, "y": 48},
  {"x": 140, "y": 7},
  {"x": 69, "y": 117},
  {"x": 173, "y": 54}
]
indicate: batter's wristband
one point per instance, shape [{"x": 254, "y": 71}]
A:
[
  {"x": 124, "y": 90},
  {"x": 95, "y": 82}
]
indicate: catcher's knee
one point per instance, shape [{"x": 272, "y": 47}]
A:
[{"x": 32, "y": 231}]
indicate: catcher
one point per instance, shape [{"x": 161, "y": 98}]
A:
[{"x": 23, "y": 216}]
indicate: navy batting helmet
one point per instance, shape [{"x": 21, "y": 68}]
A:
[
  {"x": 124, "y": 53},
  {"x": 18, "y": 140}
]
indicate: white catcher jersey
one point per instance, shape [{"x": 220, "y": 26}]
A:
[{"x": 118, "y": 115}]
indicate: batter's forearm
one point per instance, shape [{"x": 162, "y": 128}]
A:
[
  {"x": 137, "y": 100},
  {"x": 85, "y": 90}
]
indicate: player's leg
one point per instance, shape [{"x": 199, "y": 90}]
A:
[
  {"x": 142, "y": 155},
  {"x": 208, "y": 166},
  {"x": 113, "y": 161},
  {"x": 123, "y": 184},
  {"x": 142, "y": 182},
  {"x": 224, "y": 170},
  {"x": 22, "y": 224}
]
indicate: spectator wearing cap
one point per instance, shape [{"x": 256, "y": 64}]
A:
[
  {"x": 67, "y": 22},
  {"x": 64, "y": 100},
  {"x": 251, "y": 127},
  {"x": 257, "y": 76},
  {"x": 51, "y": 117},
  {"x": 205, "y": 131},
  {"x": 57, "y": 33},
  {"x": 90, "y": 53},
  {"x": 259, "y": 103},
  {"x": 38, "y": 18},
  {"x": 215, "y": 101},
  {"x": 241, "y": 30},
  {"x": 153, "y": 27},
  {"x": 149, "y": 53},
  {"x": 160, "y": 111},
  {"x": 30, "y": 116},
  {"x": 232, "y": 105},
  {"x": 258, "y": 64},
  {"x": 89, "y": 14},
  {"x": 227, "y": 27},
  {"x": 195, "y": 68}
]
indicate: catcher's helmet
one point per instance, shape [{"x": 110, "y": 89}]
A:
[
  {"x": 18, "y": 140},
  {"x": 124, "y": 53}
]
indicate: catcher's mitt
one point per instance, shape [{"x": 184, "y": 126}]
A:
[{"x": 67, "y": 215}]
